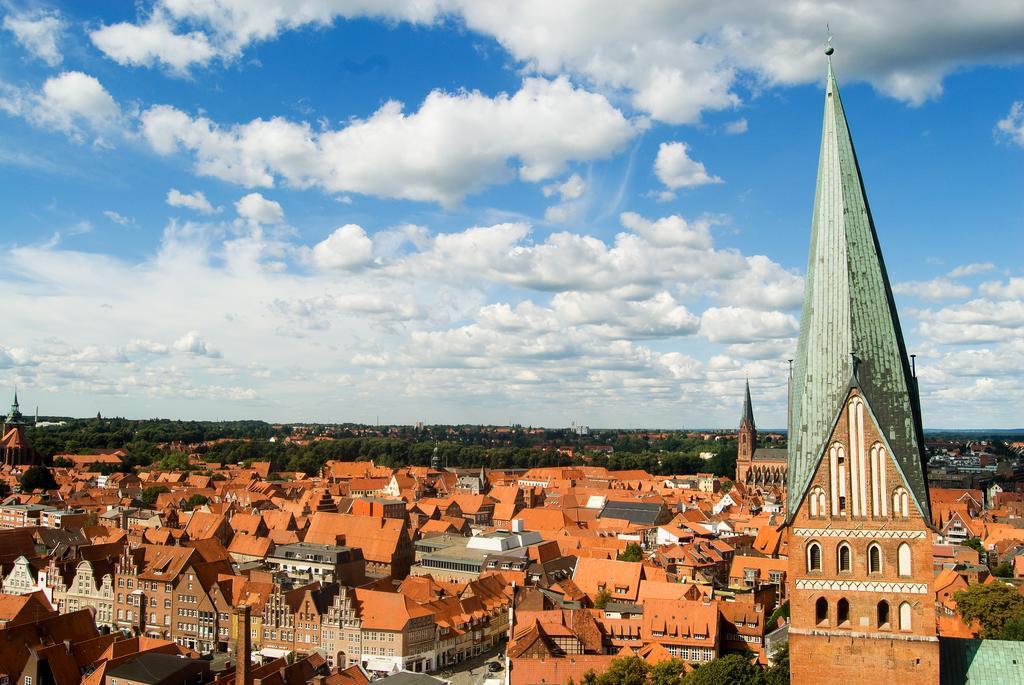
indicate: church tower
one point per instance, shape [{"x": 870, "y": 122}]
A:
[
  {"x": 747, "y": 439},
  {"x": 860, "y": 554}
]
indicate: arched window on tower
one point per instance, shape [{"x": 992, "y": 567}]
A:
[
  {"x": 843, "y": 613},
  {"x": 821, "y": 611},
  {"x": 903, "y": 560},
  {"x": 874, "y": 558},
  {"x": 843, "y": 558},
  {"x": 900, "y": 503},
  {"x": 817, "y": 502},
  {"x": 905, "y": 616},
  {"x": 814, "y": 557},
  {"x": 883, "y": 615}
]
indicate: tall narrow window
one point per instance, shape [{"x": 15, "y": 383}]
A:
[
  {"x": 817, "y": 502},
  {"x": 903, "y": 561},
  {"x": 814, "y": 557},
  {"x": 843, "y": 613},
  {"x": 900, "y": 503},
  {"x": 821, "y": 611},
  {"x": 905, "y": 616},
  {"x": 874, "y": 559},
  {"x": 883, "y": 614},
  {"x": 843, "y": 560}
]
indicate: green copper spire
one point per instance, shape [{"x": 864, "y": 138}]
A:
[
  {"x": 849, "y": 331},
  {"x": 748, "y": 410}
]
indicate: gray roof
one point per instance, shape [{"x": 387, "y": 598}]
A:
[
  {"x": 849, "y": 309},
  {"x": 150, "y": 667},
  {"x": 409, "y": 678},
  {"x": 644, "y": 513}
]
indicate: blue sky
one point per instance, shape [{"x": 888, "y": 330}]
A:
[{"x": 489, "y": 212}]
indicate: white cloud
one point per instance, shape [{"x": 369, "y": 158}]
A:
[
  {"x": 971, "y": 269},
  {"x": 454, "y": 145},
  {"x": 153, "y": 42},
  {"x": 935, "y": 289},
  {"x": 1012, "y": 289},
  {"x": 38, "y": 33},
  {"x": 675, "y": 169},
  {"x": 671, "y": 61},
  {"x": 259, "y": 210},
  {"x": 570, "y": 189},
  {"x": 65, "y": 103},
  {"x": 118, "y": 218},
  {"x": 346, "y": 248},
  {"x": 1012, "y": 127},
  {"x": 569, "y": 209},
  {"x": 976, "y": 321},
  {"x": 196, "y": 201},
  {"x": 736, "y": 127},
  {"x": 194, "y": 344},
  {"x": 669, "y": 231},
  {"x": 739, "y": 325}
]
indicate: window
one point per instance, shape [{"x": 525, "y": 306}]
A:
[
  {"x": 821, "y": 611},
  {"x": 28, "y": 680},
  {"x": 900, "y": 503},
  {"x": 843, "y": 558},
  {"x": 817, "y": 503},
  {"x": 814, "y": 557},
  {"x": 874, "y": 559},
  {"x": 904, "y": 567},
  {"x": 883, "y": 615},
  {"x": 905, "y": 616},
  {"x": 843, "y": 613}
]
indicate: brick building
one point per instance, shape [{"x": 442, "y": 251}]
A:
[{"x": 860, "y": 539}]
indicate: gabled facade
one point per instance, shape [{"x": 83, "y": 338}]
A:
[{"x": 860, "y": 537}]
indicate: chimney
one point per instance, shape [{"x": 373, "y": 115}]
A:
[{"x": 243, "y": 649}]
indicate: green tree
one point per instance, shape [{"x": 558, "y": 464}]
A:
[
  {"x": 626, "y": 670},
  {"x": 993, "y": 605},
  {"x": 63, "y": 463},
  {"x": 778, "y": 672},
  {"x": 633, "y": 552},
  {"x": 734, "y": 669},
  {"x": 150, "y": 494},
  {"x": 194, "y": 501},
  {"x": 589, "y": 678},
  {"x": 670, "y": 672},
  {"x": 601, "y": 601},
  {"x": 1003, "y": 570},
  {"x": 973, "y": 543},
  {"x": 1013, "y": 629},
  {"x": 5, "y": 488},
  {"x": 782, "y": 611},
  {"x": 176, "y": 461},
  {"x": 37, "y": 478}
]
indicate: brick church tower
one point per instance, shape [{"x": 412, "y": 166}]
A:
[
  {"x": 747, "y": 439},
  {"x": 860, "y": 553}
]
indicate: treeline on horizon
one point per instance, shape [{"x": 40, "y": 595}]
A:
[{"x": 149, "y": 442}]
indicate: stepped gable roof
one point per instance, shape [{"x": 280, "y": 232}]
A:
[{"x": 849, "y": 330}]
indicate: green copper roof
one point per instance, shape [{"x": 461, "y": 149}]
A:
[
  {"x": 848, "y": 310},
  {"x": 748, "y": 411},
  {"x": 980, "y": 662}
]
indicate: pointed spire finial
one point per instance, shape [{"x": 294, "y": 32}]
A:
[{"x": 828, "y": 43}]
